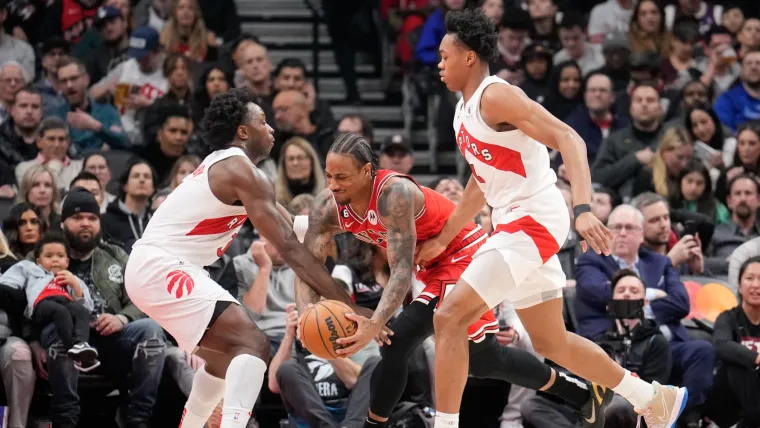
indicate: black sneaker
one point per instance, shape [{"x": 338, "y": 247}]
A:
[
  {"x": 592, "y": 413},
  {"x": 83, "y": 352}
]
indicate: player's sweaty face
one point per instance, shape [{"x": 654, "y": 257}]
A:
[
  {"x": 452, "y": 63},
  {"x": 344, "y": 178}
]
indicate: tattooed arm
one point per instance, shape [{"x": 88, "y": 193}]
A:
[
  {"x": 323, "y": 225},
  {"x": 396, "y": 206}
]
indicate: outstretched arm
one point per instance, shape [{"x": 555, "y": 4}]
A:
[
  {"x": 323, "y": 225},
  {"x": 509, "y": 104}
]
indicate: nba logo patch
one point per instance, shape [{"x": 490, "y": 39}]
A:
[{"x": 372, "y": 216}]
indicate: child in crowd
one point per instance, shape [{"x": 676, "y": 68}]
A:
[{"x": 52, "y": 294}]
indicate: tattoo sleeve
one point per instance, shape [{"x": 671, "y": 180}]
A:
[
  {"x": 323, "y": 225},
  {"x": 396, "y": 209}
]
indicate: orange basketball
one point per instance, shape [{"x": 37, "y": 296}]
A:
[{"x": 323, "y": 324}]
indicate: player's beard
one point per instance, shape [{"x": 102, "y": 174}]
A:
[{"x": 80, "y": 245}]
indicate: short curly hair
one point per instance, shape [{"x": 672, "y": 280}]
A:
[
  {"x": 475, "y": 30},
  {"x": 226, "y": 112}
]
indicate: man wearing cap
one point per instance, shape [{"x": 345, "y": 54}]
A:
[
  {"x": 537, "y": 63},
  {"x": 396, "y": 155},
  {"x": 53, "y": 50},
  {"x": 119, "y": 328},
  {"x": 13, "y": 49},
  {"x": 136, "y": 83},
  {"x": 617, "y": 52},
  {"x": 114, "y": 30}
]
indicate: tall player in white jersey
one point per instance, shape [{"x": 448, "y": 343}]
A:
[
  {"x": 503, "y": 134},
  {"x": 193, "y": 228}
]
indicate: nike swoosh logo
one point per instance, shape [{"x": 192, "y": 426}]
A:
[
  {"x": 349, "y": 224},
  {"x": 664, "y": 418},
  {"x": 592, "y": 419},
  {"x": 456, "y": 259}
]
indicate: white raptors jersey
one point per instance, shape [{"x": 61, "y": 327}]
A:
[
  {"x": 192, "y": 224},
  {"x": 508, "y": 166}
]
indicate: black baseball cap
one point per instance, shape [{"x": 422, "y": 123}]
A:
[
  {"x": 56, "y": 42},
  {"x": 395, "y": 143}
]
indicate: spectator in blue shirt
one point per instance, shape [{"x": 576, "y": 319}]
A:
[
  {"x": 93, "y": 125},
  {"x": 433, "y": 32},
  {"x": 742, "y": 103}
]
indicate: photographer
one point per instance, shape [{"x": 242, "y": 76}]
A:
[{"x": 736, "y": 389}]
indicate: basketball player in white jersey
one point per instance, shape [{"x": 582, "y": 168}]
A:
[
  {"x": 503, "y": 134},
  {"x": 193, "y": 228}
]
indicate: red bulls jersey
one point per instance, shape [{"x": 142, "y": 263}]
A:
[{"x": 429, "y": 220}]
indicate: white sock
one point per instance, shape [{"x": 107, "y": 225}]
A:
[
  {"x": 205, "y": 395},
  {"x": 446, "y": 420},
  {"x": 635, "y": 390},
  {"x": 244, "y": 378}
]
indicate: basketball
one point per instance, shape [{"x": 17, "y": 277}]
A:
[{"x": 323, "y": 324}]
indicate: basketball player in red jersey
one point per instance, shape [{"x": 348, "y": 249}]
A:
[
  {"x": 502, "y": 134},
  {"x": 193, "y": 228},
  {"x": 391, "y": 210}
]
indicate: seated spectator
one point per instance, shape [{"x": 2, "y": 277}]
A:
[
  {"x": 93, "y": 40},
  {"x": 513, "y": 37},
  {"x": 669, "y": 302},
  {"x": 449, "y": 187},
  {"x": 183, "y": 167},
  {"x": 704, "y": 13},
  {"x": 18, "y": 133},
  {"x": 695, "y": 193},
  {"x": 679, "y": 64},
  {"x": 575, "y": 48},
  {"x": 627, "y": 151},
  {"x": 171, "y": 139},
  {"x": 154, "y": 13},
  {"x": 746, "y": 160},
  {"x": 290, "y": 74},
  {"x": 53, "y": 51},
  {"x": 137, "y": 82},
  {"x": 186, "y": 33},
  {"x": 291, "y": 116},
  {"x": 647, "y": 28},
  {"x": 742, "y": 103},
  {"x": 603, "y": 201},
  {"x": 396, "y": 155},
  {"x": 93, "y": 125},
  {"x": 564, "y": 92},
  {"x": 97, "y": 165},
  {"x": 704, "y": 127},
  {"x": 89, "y": 182},
  {"x": 536, "y": 62},
  {"x": 736, "y": 338},
  {"x": 617, "y": 58},
  {"x": 255, "y": 72},
  {"x": 719, "y": 66},
  {"x": 126, "y": 218},
  {"x": 321, "y": 392},
  {"x": 543, "y": 13},
  {"x": 13, "y": 49},
  {"x": 356, "y": 123},
  {"x": 633, "y": 341},
  {"x": 733, "y": 18},
  {"x": 39, "y": 188},
  {"x": 298, "y": 171},
  {"x": 51, "y": 295},
  {"x": 265, "y": 287},
  {"x": 433, "y": 31},
  {"x": 53, "y": 142},
  {"x": 493, "y": 9},
  {"x": 749, "y": 36},
  {"x": 695, "y": 93},
  {"x": 685, "y": 253},
  {"x": 13, "y": 77},
  {"x": 743, "y": 226},
  {"x": 675, "y": 149},
  {"x": 177, "y": 68},
  {"x": 214, "y": 81},
  {"x": 119, "y": 328},
  {"x": 611, "y": 16},
  {"x": 23, "y": 227},
  {"x": 114, "y": 30},
  {"x": 595, "y": 120}
]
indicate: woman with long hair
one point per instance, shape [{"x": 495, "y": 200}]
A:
[
  {"x": 97, "y": 164},
  {"x": 23, "y": 227},
  {"x": 7, "y": 258},
  {"x": 564, "y": 92},
  {"x": 183, "y": 167},
  {"x": 298, "y": 171},
  {"x": 675, "y": 150},
  {"x": 746, "y": 160},
  {"x": 695, "y": 193},
  {"x": 186, "y": 33},
  {"x": 38, "y": 187},
  {"x": 704, "y": 126},
  {"x": 647, "y": 29},
  {"x": 177, "y": 72}
]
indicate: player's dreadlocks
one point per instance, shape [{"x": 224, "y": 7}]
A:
[
  {"x": 357, "y": 147},
  {"x": 474, "y": 30}
]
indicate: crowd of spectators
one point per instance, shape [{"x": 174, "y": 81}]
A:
[{"x": 100, "y": 105}]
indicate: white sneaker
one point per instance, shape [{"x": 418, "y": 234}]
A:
[{"x": 665, "y": 408}]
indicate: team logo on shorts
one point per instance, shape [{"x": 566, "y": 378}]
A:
[
  {"x": 179, "y": 283},
  {"x": 372, "y": 216}
]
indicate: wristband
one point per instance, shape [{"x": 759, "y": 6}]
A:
[{"x": 580, "y": 209}]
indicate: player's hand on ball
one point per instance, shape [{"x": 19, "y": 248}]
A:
[
  {"x": 367, "y": 330},
  {"x": 429, "y": 250},
  {"x": 594, "y": 233},
  {"x": 292, "y": 320}
]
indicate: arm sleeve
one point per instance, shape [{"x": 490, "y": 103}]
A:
[
  {"x": 675, "y": 306},
  {"x": 725, "y": 341}
]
